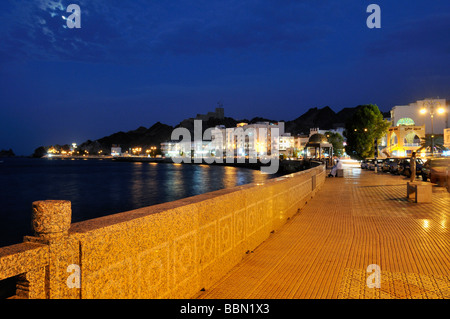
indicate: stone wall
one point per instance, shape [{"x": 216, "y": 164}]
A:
[{"x": 171, "y": 250}]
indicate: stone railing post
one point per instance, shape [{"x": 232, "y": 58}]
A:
[{"x": 51, "y": 220}]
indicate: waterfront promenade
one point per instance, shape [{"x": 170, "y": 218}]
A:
[{"x": 325, "y": 250}]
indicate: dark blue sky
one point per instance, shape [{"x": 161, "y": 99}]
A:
[{"x": 134, "y": 63}]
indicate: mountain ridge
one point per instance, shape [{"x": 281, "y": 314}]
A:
[{"x": 323, "y": 118}]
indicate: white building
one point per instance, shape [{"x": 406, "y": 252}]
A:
[
  {"x": 244, "y": 141},
  {"x": 287, "y": 144},
  {"x": 403, "y": 139},
  {"x": 176, "y": 149},
  {"x": 300, "y": 142},
  {"x": 254, "y": 140},
  {"x": 190, "y": 149},
  {"x": 447, "y": 138},
  {"x": 316, "y": 130},
  {"x": 419, "y": 112},
  {"x": 116, "y": 150}
]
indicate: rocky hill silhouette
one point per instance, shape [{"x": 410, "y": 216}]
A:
[{"x": 323, "y": 118}]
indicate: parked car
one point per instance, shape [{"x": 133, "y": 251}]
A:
[
  {"x": 401, "y": 165},
  {"x": 426, "y": 170},
  {"x": 419, "y": 165},
  {"x": 369, "y": 163},
  {"x": 393, "y": 165},
  {"x": 404, "y": 167},
  {"x": 373, "y": 162},
  {"x": 436, "y": 170},
  {"x": 364, "y": 164},
  {"x": 385, "y": 167}
]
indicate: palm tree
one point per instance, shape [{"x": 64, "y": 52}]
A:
[{"x": 426, "y": 143}]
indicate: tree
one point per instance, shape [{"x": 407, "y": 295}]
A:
[
  {"x": 438, "y": 143},
  {"x": 7, "y": 153},
  {"x": 362, "y": 129},
  {"x": 39, "y": 152},
  {"x": 337, "y": 140}
]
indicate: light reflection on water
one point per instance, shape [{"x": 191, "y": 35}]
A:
[{"x": 99, "y": 188}]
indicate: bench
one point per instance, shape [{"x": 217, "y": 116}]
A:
[
  {"x": 420, "y": 192},
  {"x": 340, "y": 173}
]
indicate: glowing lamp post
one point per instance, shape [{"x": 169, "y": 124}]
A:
[{"x": 431, "y": 107}]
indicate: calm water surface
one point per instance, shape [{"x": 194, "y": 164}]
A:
[{"x": 102, "y": 187}]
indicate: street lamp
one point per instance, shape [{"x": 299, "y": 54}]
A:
[{"x": 430, "y": 107}]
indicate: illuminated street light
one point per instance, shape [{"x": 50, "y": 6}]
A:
[{"x": 429, "y": 106}]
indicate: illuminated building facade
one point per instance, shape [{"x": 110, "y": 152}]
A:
[
  {"x": 404, "y": 138},
  {"x": 415, "y": 112},
  {"x": 116, "y": 150},
  {"x": 254, "y": 140},
  {"x": 447, "y": 139},
  {"x": 243, "y": 141}
]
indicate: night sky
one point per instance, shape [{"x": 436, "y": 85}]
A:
[{"x": 133, "y": 63}]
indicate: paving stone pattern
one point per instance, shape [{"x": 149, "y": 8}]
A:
[{"x": 324, "y": 251}]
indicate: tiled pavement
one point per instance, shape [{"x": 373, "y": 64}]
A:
[{"x": 325, "y": 251}]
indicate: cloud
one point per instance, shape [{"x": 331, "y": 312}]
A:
[
  {"x": 115, "y": 31},
  {"x": 38, "y": 30},
  {"x": 51, "y": 5}
]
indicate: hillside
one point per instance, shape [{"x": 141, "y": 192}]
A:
[
  {"x": 323, "y": 118},
  {"x": 142, "y": 137}
]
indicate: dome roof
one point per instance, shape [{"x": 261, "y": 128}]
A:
[
  {"x": 405, "y": 121},
  {"x": 318, "y": 138}
]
